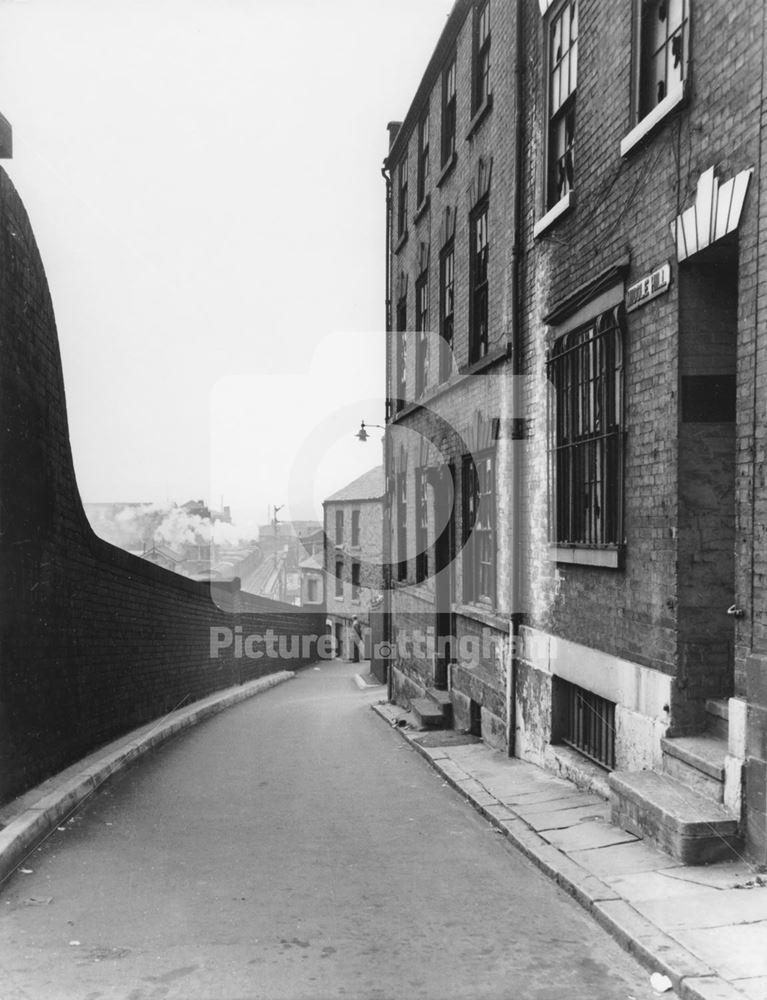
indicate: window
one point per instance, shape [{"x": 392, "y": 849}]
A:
[
  {"x": 339, "y": 527},
  {"x": 339, "y": 579},
  {"x": 422, "y": 337},
  {"x": 355, "y": 581},
  {"x": 446, "y": 309},
  {"x": 355, "y": 528},
  {"x": 587, "y": 722},
  {"x": 423, "y": 159},
  {"x": 401, "y": 348},
  {"x": 401, "y": 483},
  {"x": 563, "y": 77},
  {"x": 448, "y": 113},
  {"x": 421, "y": 526},
  {"x": 402, "y": 197},
  {"x": 586, "y": 446},
  {"x": 311, "y": 591},
  {"x": 480, "y": 258},
  {"x": 479, "y": 527},
  {"x": 663, "y": 57},
  {"x": 481, "y": 88}
]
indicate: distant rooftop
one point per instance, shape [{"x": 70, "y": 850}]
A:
[{"x": 369, "y": 486}]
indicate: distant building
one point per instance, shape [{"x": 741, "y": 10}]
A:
[
  {"x": 312, "y": 573},
  {"x": 353, "y": 520}
]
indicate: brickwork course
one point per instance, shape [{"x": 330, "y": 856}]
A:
[
  {"x": 93, "y": 641},
  {"x": 643, "y": 618}
]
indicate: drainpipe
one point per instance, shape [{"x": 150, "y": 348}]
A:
[
  {"x": 386, "y": 547},
  {"x": 517, "y": 421}
]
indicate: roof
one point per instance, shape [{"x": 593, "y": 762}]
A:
[
  {"x": 311, "y": 563},
  {"x": 369, "y": 486}
]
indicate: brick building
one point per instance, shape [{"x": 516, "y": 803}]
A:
[
  {"x": 353, "y": 519},
  {"x": 578, "y": 446}
]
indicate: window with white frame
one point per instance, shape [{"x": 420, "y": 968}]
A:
[
  {"x": 665, "y": 28},
  {"x": 479, "y": 271},
  {"x": 446, "y": 308},
  {"x": 585, "y": 370},
  {"x": 423, "y": 159},
  {"x": 479, "y": 533},
  {"x": 448, "y": 113},
  {"x": 481, "y": 87},
  {"x": 422, "y": 337},
  {"x": 562, "y": 82}
]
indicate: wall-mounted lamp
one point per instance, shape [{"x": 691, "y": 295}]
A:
[{"x": 362, "y": 433}]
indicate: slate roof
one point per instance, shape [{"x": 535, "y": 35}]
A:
[{"x": 369, "y": 486}]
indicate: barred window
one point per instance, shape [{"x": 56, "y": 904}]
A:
[
  {"x": 479, "y": 271},
  {"x": 423, "y": 158},
  {"x": 563, "y": 78},
  {"x": 586, "y": 437},
  {"x": 446, "y": 309},
  {"x": 481, "y": 89},
  {"x": 665, "y": 40},
  {"x": 422, "y": 526},
  {"x": 479, "y": 533},
  {"x": 422, "y": 339},
  {"x": 448, "y": 112}
]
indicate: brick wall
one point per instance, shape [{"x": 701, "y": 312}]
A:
[{"x": 93, "y": 641}]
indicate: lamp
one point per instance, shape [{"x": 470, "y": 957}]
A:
[{"x": 362, "y": 433}]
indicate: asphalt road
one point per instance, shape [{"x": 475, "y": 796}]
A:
[{"x": 294, "y": 847}]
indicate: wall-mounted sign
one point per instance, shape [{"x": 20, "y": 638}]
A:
[{"x": 648, "y": 288}]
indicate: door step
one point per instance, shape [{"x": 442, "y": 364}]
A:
[
  {"x": 698, "y": 762},
  {"x": 718, "y": 717},
  {"x": 687, "y": 825},
  {"x": 435, "y": 711}
]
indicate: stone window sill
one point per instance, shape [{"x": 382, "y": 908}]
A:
[
  {"x": 400, "y": 242},
  {"x": 607, "y": 558},
  {"x": 483, "y": 614},
  {"x": 421, "y": 210},
  {"x": 447, "y": 169},
  {"x": 554, "y": 213},
  {"x": 650, "y": 121},
  {"x": 479, "y": 116}
]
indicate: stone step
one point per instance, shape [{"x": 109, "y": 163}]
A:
[
  {"x": 698, "y": 762},
  {"x": 718, "y": 717},
  {"x": 688, "y": 826},
  {"x": 428, "y": 713},
  {"x": 444, "y": 701}
]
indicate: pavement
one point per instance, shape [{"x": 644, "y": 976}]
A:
[{"x": 704, "y": 928}]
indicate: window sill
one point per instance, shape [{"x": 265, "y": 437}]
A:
[
  {"x": 421, "y": 210},
  {"x": 576, "y": 556},
  {"x": 447, "y": 169},
  {"x": 548, "y": 220},
  {"x": 641, "y": 131},
  {"x": 455, "y": 379},
  {"x": 491, "y": 358},
  {"x": 483, "y": 614},
  {"x": 479, "y": 116},
  {"x": 400, "y": 242}
]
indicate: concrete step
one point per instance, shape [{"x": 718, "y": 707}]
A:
[
  {"x": 698, "y": 762},
  {"x": 428, "y": 713},
  {"x": 444, "y": 701},
  {"x": 688, "y": 826},
  {"x": 718, "y": 717}
]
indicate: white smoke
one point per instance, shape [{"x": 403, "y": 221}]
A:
[{"x": 138, "y": 527}]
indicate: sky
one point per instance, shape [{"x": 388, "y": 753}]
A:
[{"x": 203, "y": 178}]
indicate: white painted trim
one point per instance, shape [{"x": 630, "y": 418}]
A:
[
  {"x": 650, "y": 120},
  {"x": 638, "y": 688},
  {"x": 562, "y": 206},
  {"x": 584, "y": 557}
]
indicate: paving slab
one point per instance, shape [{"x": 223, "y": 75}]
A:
[
  {"x": 589, "y": 835},
  {"x": 624, "y": 859},
  {"x": 738, "y": 953},
  {"x": 723, "y": 875},
  {"x": 547, "y": 801},
  {"x": 651, "y": 885},
  {"x": 561, "y": 819},
  {"x": 754, "y": 989},
  {"x": 727, "y": 908},
  {"x": 713, "y": 988}
]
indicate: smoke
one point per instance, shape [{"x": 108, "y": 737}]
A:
[{"x": 138, "y": 526}]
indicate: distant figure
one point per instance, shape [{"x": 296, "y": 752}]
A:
[{"x": 357, "y": 639}]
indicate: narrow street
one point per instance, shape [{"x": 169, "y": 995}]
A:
[{"x": 294, "y": 847}]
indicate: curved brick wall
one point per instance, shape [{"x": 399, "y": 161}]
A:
[{"x": 93, "y": 641}]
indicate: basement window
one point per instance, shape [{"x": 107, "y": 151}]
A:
[{"x": 586, "y": 722}]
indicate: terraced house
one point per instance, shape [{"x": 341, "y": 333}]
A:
[{"x": 576, "y": 426}]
